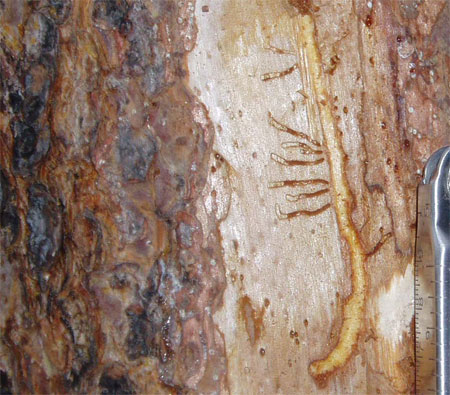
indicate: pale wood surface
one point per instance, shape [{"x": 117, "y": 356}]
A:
[{"x": 296, "y": 273}]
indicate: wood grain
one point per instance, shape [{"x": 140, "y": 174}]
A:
[{"x": 348, "y": 75}]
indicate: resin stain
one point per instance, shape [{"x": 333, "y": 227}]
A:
[{"x": 253, "y": 319}]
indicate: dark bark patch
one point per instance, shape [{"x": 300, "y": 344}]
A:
[
  {"x": 33, "y": 108},
  {"x": 112, "y": 12},
  {"x": 136, "y": 153},
  {"x": 41, "y": 36},
  {"x": 15, "y": 101},
  {"x": 59, "y": 10},
  {"x": 115, "y": 385},
  {"x": 29, "y": 148},
  {"x": 5, "y": 384},
  {"x": 25, "y": 141},
  {"x": 44, "y": 223},
  {"x": 10, "y": 225}
]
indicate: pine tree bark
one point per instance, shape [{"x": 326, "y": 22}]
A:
[{"x": 214, "y": 197}]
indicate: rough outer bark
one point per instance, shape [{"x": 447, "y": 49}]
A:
[{"x": 108, "y": 280}]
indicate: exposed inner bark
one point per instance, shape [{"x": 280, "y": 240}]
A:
[{"x": 365, "y": 80}]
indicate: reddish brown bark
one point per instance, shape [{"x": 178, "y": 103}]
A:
[{"x": 109, "y": 282}]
